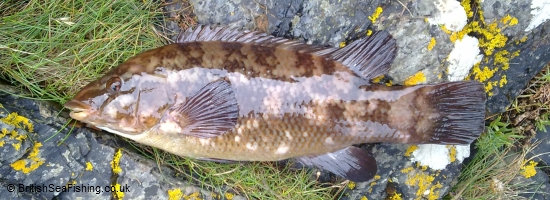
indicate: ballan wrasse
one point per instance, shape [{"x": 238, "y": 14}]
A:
[{"x": 225, "y": 94}]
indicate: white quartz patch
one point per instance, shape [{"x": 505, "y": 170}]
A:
[
  {"x": 437, "y": 156},
  {"x": 463, "y": 57},
  {"x": 540, "y": 9},
  {"x": 451, "y": 14}
]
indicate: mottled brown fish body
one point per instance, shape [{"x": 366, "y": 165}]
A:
[{"x": 229, "y": 95}]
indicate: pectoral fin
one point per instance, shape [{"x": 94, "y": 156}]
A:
[
  {"x": 352, "y": 163},
  {"x": 210, "y": 112}
]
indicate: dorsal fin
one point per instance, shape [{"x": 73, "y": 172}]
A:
[{"x": 367, "y": 57}]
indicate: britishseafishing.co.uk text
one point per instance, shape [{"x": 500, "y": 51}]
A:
[{"x": 67, "y": 188}]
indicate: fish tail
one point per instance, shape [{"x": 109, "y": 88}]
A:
[{"x": 461, "y": 109}]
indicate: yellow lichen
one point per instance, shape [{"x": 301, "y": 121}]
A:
[
  {"x": 509, "y": 20},
  {"x": 351, "y": 185},
  {"x": 422, "y": 180},
  {"x": 89, "y": 166},
  {"x": 369, "y": 32},
  {"x": 34, "y": 160},
  {"x": 378, "y": 79},
  {"x": 119, "y": 194},
  {"x": 444, "y": 29},
  {"x": 364, "y": 198},
  {"x": 484, "y": 74},
  {"x": 452, "y": 153},
  {"x": 395, "y": 196},
  {"x": 16, "y": 146},
  {"x": 502, "y": 81},
  {"x": 377, "y": 177},
  {"x": 528, "y": 170},
  {"x": 192, "y": 196},
  {"x": 229, "y": 196},
  {"x": 373, "y": 183},
  {"x": 175, "y": 194},
  {"x": 115, "y": 163},
  {"x": 18, "y": 121},
  {"x": 342, "y": 44},
  {"x": 407, "y": 170},
  {"x": 432, "y": 43},
  {"x": 415, "y": 79},
  {"x": 376, "y": 14},
  {"x": 411, "y": 149},
  {"x": 434, "y": 195},
  {"x": 467, "y": 8}
]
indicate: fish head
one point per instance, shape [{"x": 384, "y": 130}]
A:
[{"x": 126, "y": 100}]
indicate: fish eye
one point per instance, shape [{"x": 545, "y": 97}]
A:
[{"x": 113, "y": 84}]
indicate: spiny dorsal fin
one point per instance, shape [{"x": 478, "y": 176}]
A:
[{"x": 367, "y": 57}]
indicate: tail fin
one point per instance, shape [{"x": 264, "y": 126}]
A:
[{"x": 461, "y": 106}]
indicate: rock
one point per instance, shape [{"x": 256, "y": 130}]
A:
[{"x": 40, "y": 159}]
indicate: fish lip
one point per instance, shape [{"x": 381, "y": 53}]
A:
[
  {"x": 79, "y": 110},
  {"x": 77, "y": 106}
]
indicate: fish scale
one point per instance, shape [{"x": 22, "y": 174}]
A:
[{"x": 228, "y": 95}]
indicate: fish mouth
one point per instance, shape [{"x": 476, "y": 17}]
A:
[{"x": 79, "y": 110}]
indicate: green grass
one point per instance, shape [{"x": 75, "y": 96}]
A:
[
  {"x": 502, "y": 150},
  {"x": 53, "y": 48}
]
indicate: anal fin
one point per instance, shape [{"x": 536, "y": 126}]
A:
[{"x": 352, "y": 163}]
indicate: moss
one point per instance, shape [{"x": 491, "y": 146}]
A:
[
  {"x": 115, "y": 163},
  {"x": 528, "y": 170},
  {"x": 431, "y": 44},
  {"x": 415, "y": 79},
  {"x": 411, "y": 149},
  {"x": 89, "y": 166},
  {"x": 175, "y": 194},
  {"x": 376, "y": 14}
]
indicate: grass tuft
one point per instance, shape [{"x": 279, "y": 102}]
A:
[{"x": 53, "y": 48}]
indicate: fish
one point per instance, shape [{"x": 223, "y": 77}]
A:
[{"x": 225, "y": 94}]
